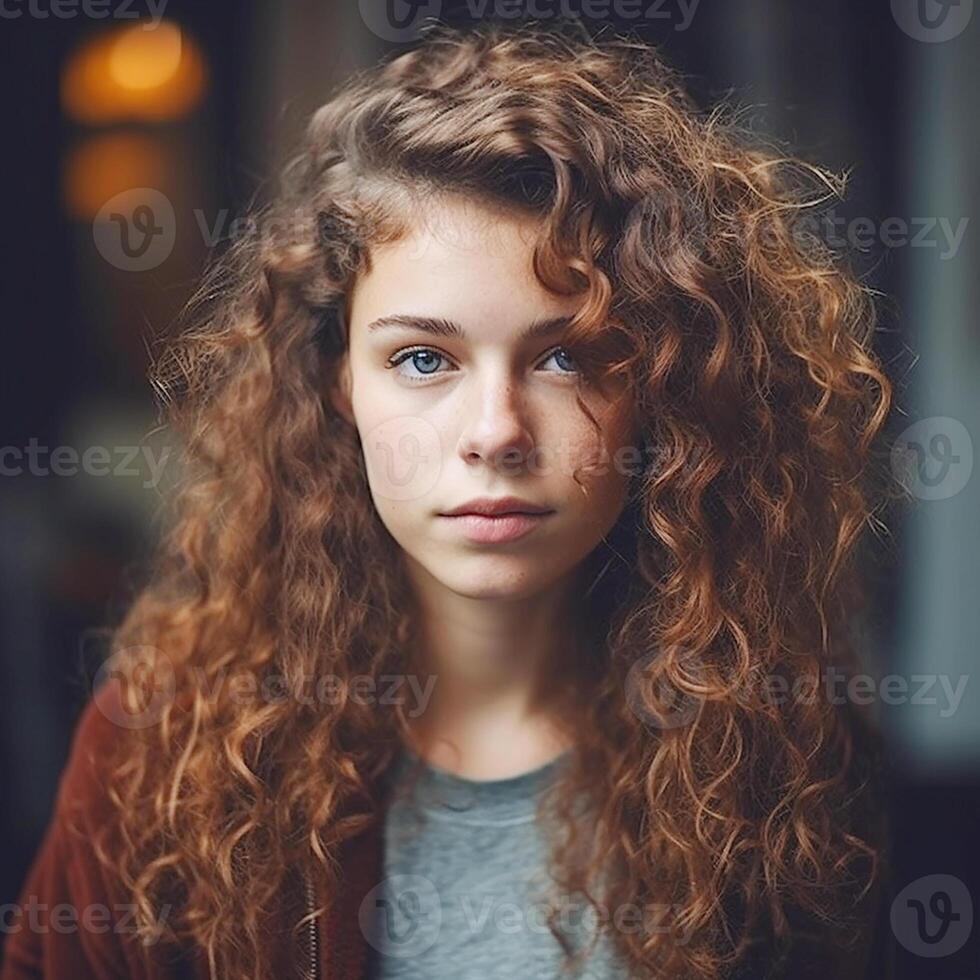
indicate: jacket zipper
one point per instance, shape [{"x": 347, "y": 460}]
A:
[{"x": 312, "y": 971}]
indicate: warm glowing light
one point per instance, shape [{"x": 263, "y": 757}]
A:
[
  {"x": 104, "y": 166},
  {"x": 141, "y": 59},
  {"x": 134, "y": 73}
]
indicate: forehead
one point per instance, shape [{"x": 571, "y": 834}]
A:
[{"x": 462, "y": 260}]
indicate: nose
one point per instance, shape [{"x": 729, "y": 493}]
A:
[{"x": 496, "y": 427}]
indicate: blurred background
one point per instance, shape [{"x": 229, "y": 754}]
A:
[{"x": 137, "y": 135}]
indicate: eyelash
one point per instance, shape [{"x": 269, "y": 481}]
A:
[{"x": 399, "y": 357}]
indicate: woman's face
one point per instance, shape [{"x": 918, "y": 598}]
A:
[{"x": 474, "y": 408}]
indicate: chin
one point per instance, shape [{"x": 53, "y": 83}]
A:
[
  {"x": 523, "y": 591},
  {"x": 481, "y": 581}
]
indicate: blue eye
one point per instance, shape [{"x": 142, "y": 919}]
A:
[
  {"x": 425, "y": 361},
  {"x": 561, "y": 352},
  {"x": 422, "y": 359}
]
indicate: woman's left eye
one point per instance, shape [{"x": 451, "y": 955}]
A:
[
  {"x": 424, "y": 360},
  {"x": 421, "y": 359},
  {"x": 561, "y": 352}
]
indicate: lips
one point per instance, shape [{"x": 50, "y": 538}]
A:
[
  {"x": 485, "y": 529},
  {"x": 497, "y": 507}
]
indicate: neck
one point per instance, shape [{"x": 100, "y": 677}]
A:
[{"x": 507, "y": 672}]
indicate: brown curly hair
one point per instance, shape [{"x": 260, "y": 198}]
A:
[{"x": 747, "y": 348}]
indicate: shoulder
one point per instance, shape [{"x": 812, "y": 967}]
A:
[
  {"x": 82, "y": 788},
  {"x": 73, "y": 918}
]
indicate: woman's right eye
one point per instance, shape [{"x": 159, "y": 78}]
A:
[{"x": 423, "y": 359}]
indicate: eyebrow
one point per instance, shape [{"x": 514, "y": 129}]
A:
[{"x": 441, "y": 327}]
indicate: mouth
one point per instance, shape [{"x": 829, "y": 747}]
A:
[{"x": 495, "y": 528}]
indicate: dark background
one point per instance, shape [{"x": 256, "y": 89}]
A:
[{"x": 841, "y": 82}]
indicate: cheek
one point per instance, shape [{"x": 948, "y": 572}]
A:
[
  {"x": 596, "y": 457},
  {"x": 403, "y": 457}
]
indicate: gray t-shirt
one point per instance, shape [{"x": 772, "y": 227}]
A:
[{"x": 465, "y": 892}]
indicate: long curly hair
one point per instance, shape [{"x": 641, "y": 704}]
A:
[{"x": 747, "y": 346}]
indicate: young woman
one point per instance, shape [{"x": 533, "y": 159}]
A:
[{"x": 527, "y": 449}]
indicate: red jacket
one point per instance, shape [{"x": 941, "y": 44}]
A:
[
  {"x": 85, "y": 947},
  {"x": 92, "y": 937}
]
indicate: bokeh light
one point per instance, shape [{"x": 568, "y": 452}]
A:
[
  {"x": 108, "y": 164},
  {"x": 134, "y": 73}
]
